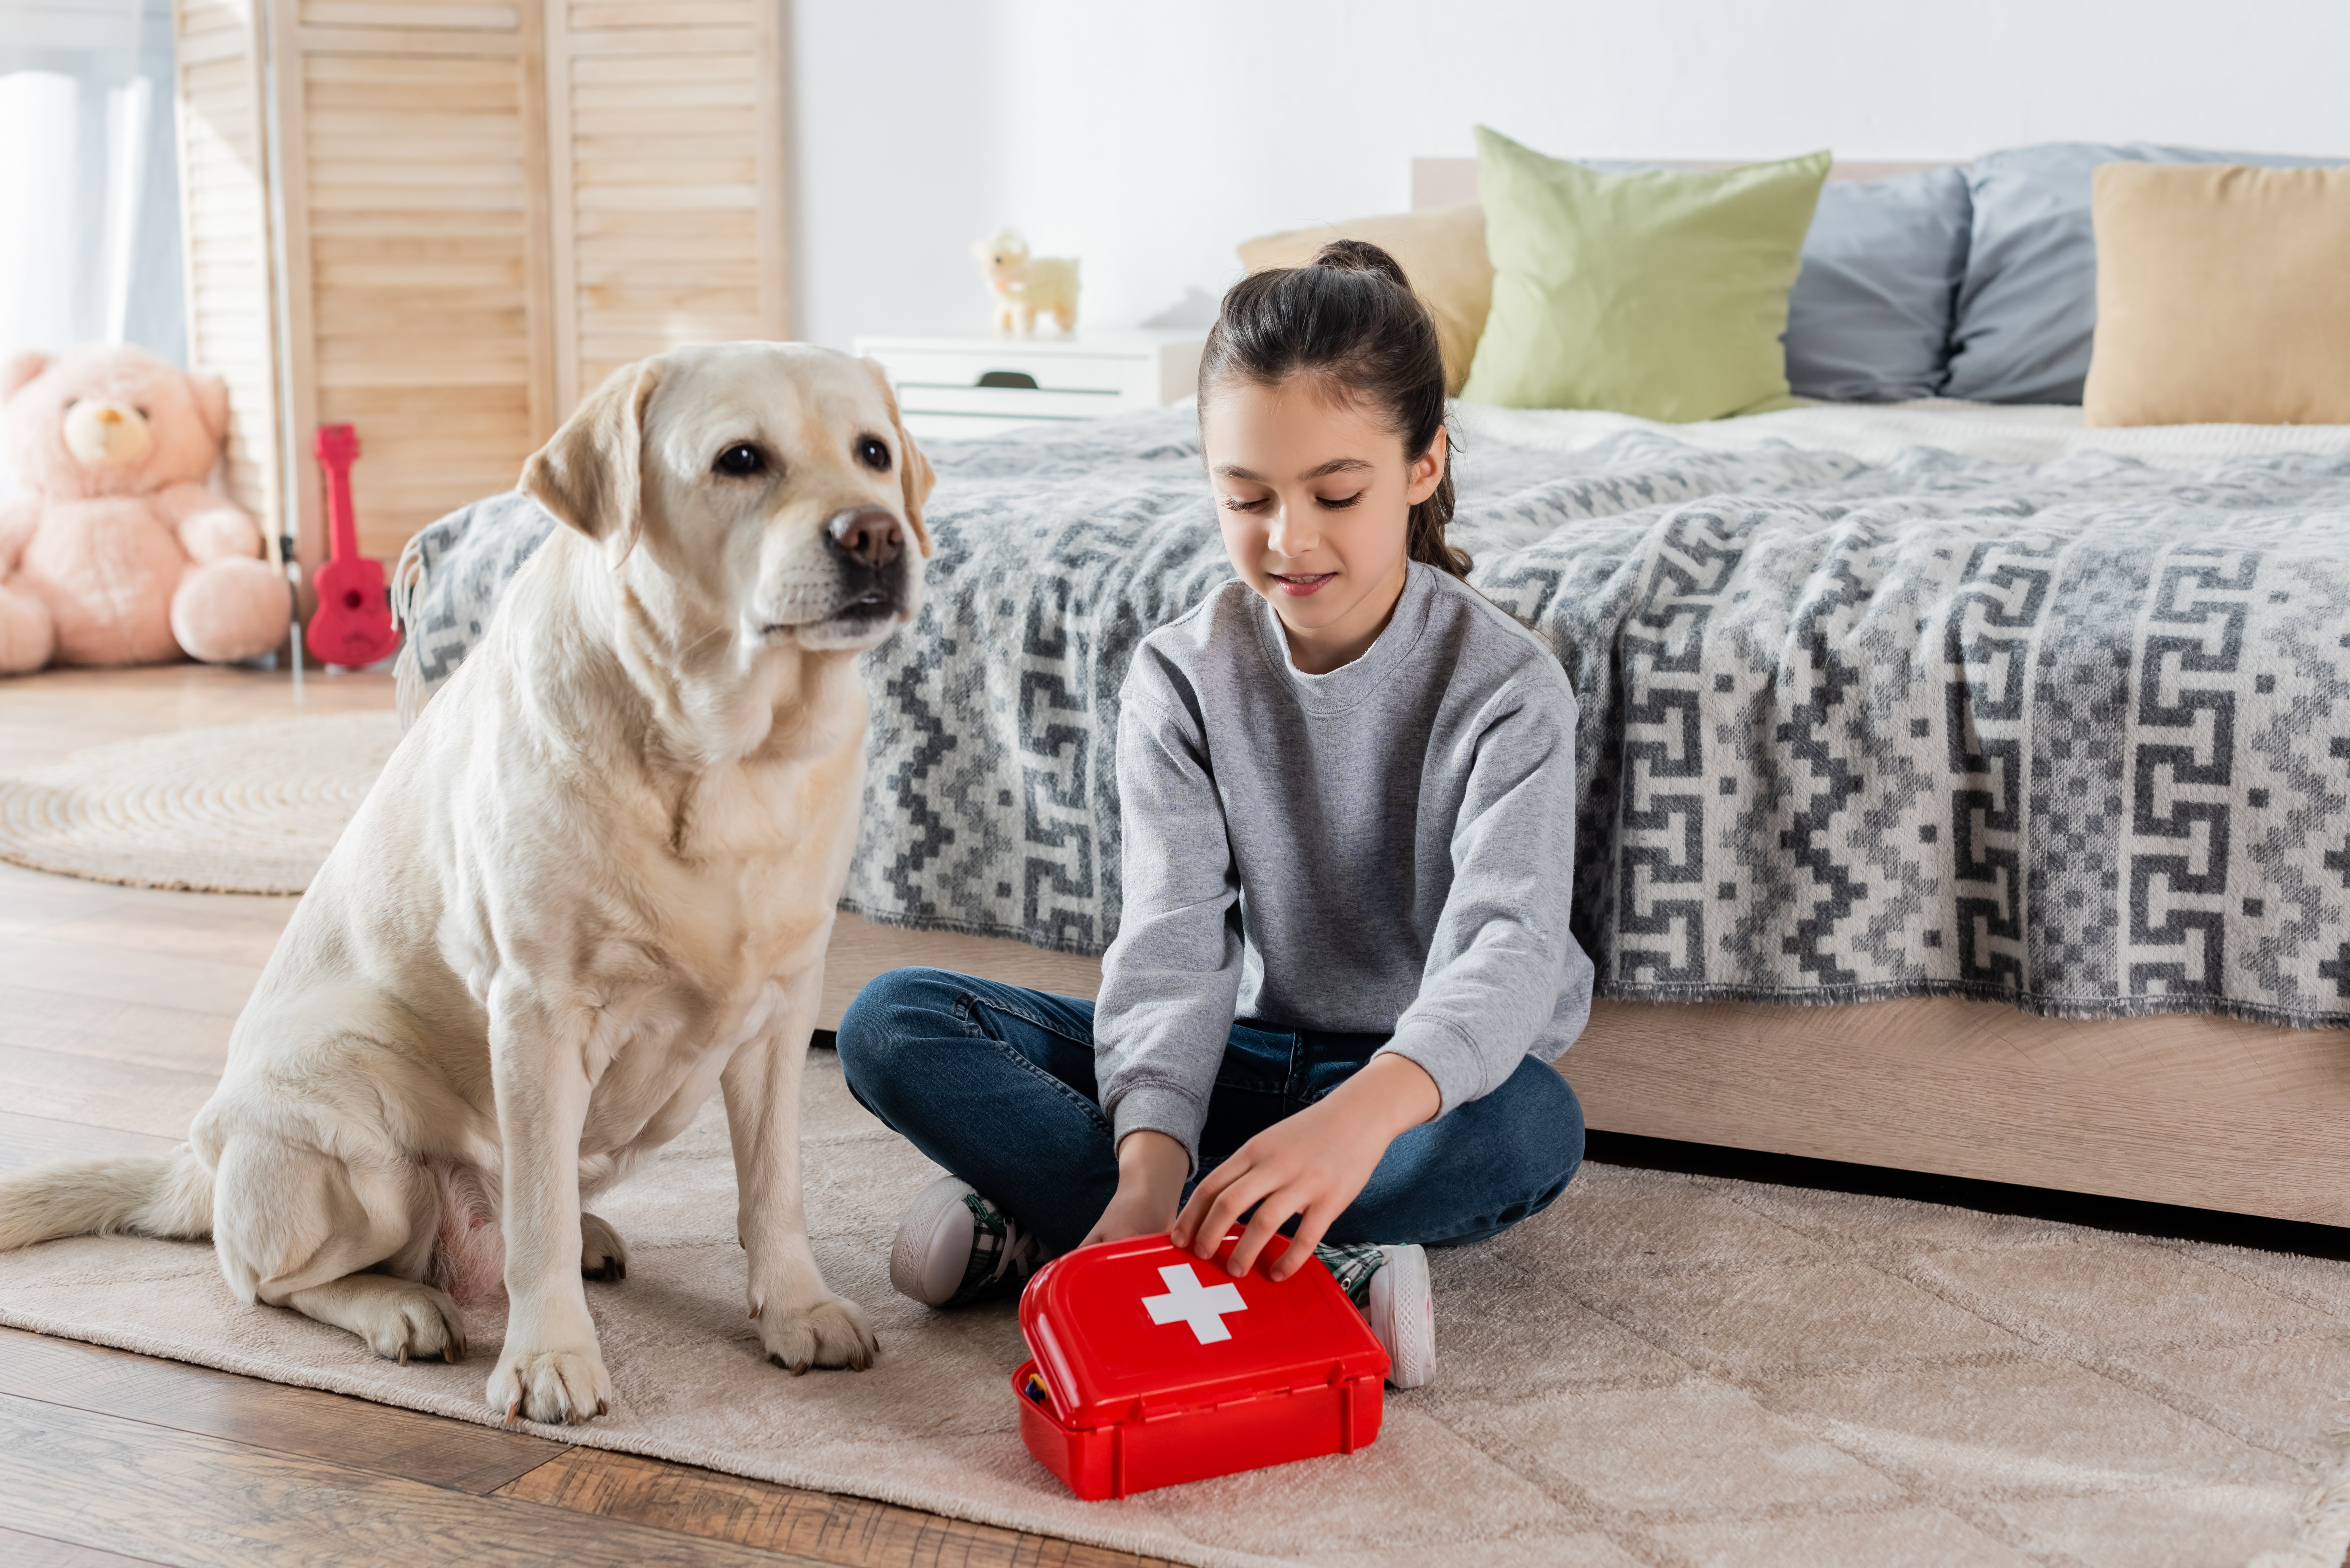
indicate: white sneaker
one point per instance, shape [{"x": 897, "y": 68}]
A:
[
  {"x": 1402, "y": 1314},
  {"x": 954, "y": 1246}
]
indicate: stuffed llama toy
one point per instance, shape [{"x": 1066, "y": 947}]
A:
[
  {"x": 117, "y": 552},
  {"x": 1027, "y": 287}
]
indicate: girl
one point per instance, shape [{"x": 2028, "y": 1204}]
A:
[{"x": 1346, "y": 784}]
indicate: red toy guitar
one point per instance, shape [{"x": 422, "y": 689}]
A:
[{"x": 352, "y": 625}]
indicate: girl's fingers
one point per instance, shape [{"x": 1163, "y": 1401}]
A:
[
  {"x": 1195, "y": 1214},
  {"x": 1187, "y": 1223},
  {"x": 1194, "y": 1223},
  {"x": 1215, "y": 1181},
  {"x": 1236, "y": 1200},
  {"x": 1312, "y": 1226},
  {"x": 1273, "y": 1211}
]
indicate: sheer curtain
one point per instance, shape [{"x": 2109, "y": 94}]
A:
[{"x": 89, "y": 207}]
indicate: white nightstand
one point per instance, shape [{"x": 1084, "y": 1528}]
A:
[{"x": 949, "y": 386}]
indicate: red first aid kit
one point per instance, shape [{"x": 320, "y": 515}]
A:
[{"x": 1151, "y": 1367}]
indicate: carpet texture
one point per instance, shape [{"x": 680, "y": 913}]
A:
[
  {"x": 1663, "y": 1369},
  {"x": 234, "y": 808}
]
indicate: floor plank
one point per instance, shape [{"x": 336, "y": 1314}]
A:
[
  {"x": 124, "y": 1486},
  {"x": 242, "y": 936},
  {"x": 302, "y": 1422},
  {"x": 138, "y": 1033},
  {"x": 21, "y": 1551},
  {"x": 157, "y": 1101},
  {"x": 35, "y": 1140},
  {"x": 45, "y": 716},
  {"x": 40, "y": 963},
  {"x": 34, "y": 900},
  {"x": 818, "y": 1526}
]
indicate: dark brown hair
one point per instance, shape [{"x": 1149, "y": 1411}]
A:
[{"x": 1349, "y": 319}]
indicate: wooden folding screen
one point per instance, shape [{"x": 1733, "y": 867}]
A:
[
  {"x": 484, "y": 209},
  {"x": 224, "y": 228}
]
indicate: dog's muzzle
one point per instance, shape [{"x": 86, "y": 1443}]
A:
[{"x": 868, "y": 544}]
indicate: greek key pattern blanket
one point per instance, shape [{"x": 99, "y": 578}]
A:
[{"x": 2074, "y": 735}]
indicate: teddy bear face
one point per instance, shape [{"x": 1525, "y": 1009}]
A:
[{"x": 113, "y": 420}]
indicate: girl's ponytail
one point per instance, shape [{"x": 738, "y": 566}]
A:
[{"x": 1350, "y": 319}]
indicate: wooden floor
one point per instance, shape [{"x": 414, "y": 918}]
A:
[{"x": 115, "y": 1006}]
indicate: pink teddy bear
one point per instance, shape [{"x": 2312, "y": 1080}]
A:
[{"x": 118, "y": 552}]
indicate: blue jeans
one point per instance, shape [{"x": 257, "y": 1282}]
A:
[{"x": 996, "y": 1083}]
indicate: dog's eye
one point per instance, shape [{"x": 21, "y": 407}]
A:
[
  {"x": 741, "y": 460},
  {"x": 873, "y": 454},
  {"x": 142, "y": 413}
]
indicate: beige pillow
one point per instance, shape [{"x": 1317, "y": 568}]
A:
[
  {"x": 2223, "y": 296},
  {"x": 1443, "y": 253}
]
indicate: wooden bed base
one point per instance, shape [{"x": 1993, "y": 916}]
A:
[{"x": 2214, "y": 1113}]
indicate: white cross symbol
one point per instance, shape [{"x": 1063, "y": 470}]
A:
[{"x": 1187, "y": 1300}]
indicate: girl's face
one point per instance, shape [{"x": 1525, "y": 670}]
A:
[{"x": 1314, "y": 495}]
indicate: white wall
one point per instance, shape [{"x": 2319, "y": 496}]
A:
[{"x": 1148, "y": 138}]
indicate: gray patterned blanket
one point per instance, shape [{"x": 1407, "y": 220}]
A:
[{"x": 2074, "y": 735}]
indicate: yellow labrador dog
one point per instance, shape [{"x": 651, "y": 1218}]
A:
[{"x": 594, "y": 881}]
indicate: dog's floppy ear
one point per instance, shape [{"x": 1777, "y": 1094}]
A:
[
  {"x": 591, "y": 473},
  {"x": 914, "y": 472}
]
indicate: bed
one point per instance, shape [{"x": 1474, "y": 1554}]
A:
[{"x": 1963, "y": 790}]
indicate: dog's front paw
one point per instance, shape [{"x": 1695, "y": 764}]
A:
[
  {"x": 827, "y": 1332},
  {"x": 556, "y": 1387}
]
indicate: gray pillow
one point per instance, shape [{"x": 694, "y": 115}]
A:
[
  {"x": 1869, "y": 318},
  {"x": 2027, "y": 309}
]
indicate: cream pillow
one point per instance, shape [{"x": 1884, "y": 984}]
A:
[
  {"x": 1443, "y": 253},
  {"x": 2223, "y": 296}
]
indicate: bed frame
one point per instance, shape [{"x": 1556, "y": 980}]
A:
[{"x": 2209, "y": 1112}]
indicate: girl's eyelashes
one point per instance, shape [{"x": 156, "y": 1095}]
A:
[{"x": 1329, "y": 502}]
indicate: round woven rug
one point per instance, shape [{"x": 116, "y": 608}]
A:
[{"x": 238, "y": 809}]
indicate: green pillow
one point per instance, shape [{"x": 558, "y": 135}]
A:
[{"x": 1661, "y": 294}]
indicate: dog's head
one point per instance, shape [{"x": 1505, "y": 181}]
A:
[{"x": 764, "y": 495}]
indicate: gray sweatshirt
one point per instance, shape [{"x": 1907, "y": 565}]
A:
[{"x": 1387, "y": 848}]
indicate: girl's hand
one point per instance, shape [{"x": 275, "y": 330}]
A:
[
  {"x": 1313, "y": 1165},
  {"x": 1150, "y": 1172}
]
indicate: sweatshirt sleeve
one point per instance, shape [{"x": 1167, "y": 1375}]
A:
[
  {"x": 1172, "y": 979},
  {"x": 1502, "y": 953}
]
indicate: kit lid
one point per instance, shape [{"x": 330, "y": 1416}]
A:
[{"x": 1130, "y": 1330}]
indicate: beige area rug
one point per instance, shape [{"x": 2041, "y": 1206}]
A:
[
  {"x": 235, "y": 808},
  {"x": 1662, "y": 1370}
]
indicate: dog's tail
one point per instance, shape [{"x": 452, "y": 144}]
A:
[{"x": 136, "y": 1195}]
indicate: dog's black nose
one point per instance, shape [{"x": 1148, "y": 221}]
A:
[{"x": 868, "y": 536}]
